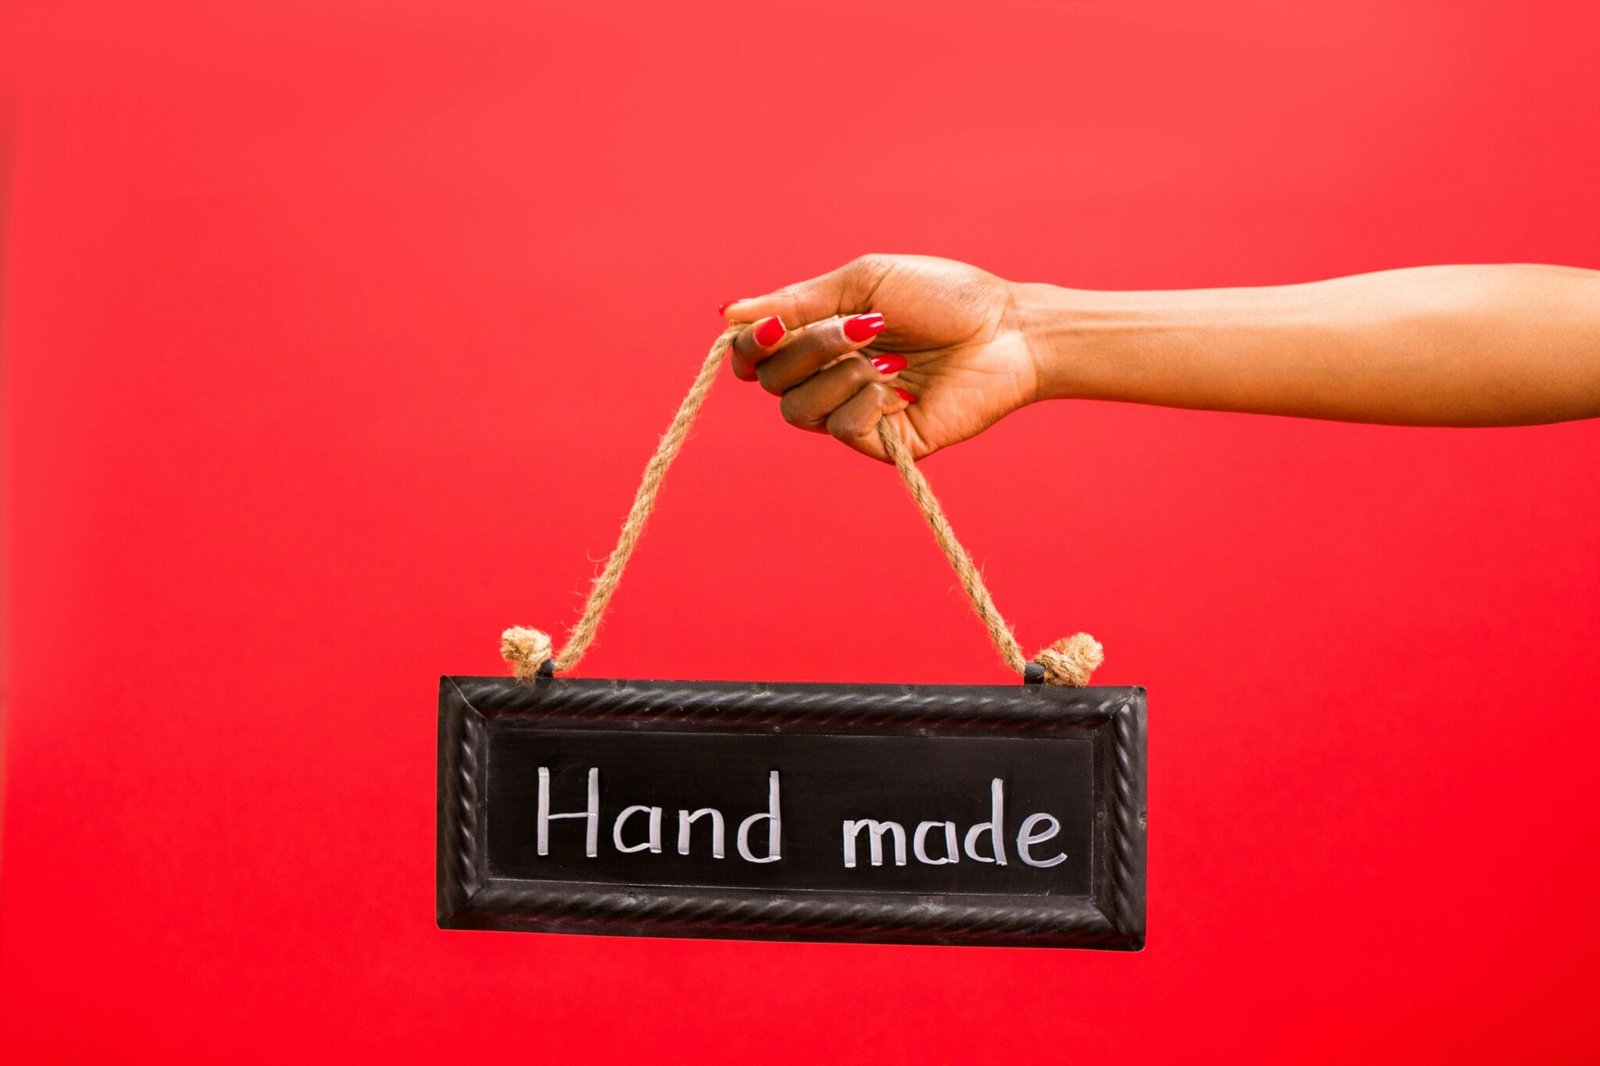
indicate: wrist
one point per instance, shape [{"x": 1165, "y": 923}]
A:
[{"x": 1057, "y": 330}]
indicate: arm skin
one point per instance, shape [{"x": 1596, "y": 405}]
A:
[
  {"x": 944, "y": 350},
  {"x": 1430, "y": 346}
]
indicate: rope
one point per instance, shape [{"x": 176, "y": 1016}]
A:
[{"x": 1069, "y": 661}]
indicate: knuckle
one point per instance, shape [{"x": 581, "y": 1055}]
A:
[
  {"x": 770, "y": 378},
  {"x": 788, "y": 299},
  {"x": 792, "y": 410},
  {"x": 861, "y": 370},
  {"x": 844, "y": 425},
  {"x": 863, "y": 276}
]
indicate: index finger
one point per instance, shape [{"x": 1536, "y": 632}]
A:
[
  {"x": 844, "y": 290},
  {"x": 753, "y": 344}
]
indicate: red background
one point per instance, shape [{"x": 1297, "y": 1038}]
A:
[{"x": 337, "y": 334}]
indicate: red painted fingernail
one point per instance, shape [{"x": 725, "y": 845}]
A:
[
  {"x": 888, "y": 364},
  {"x": 723, "y": 308},
  {"x": 863, "y": 327},
  {"x": 770, "y": 332},
  {"x": 904, "y": 395}
]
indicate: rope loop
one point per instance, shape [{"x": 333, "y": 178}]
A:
[
  {"x": 1071, "y": 660},
  {"x": 527, "y": 650},
  {"x": 530, "y": 652}
]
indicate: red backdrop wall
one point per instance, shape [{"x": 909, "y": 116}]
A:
[{"x": 337, "y": 334}]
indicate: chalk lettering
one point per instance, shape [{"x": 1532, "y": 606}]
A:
[
  {"x": 997, "y": 848},
  {"x": 592, "y": 838},
  {"x": 653, "y": 844},
  {"x": 1036, "y": 829},
  {"x": 1026, "y": 838},
  {"x": 718, "y": 830},
  {"x": 774, "y": 826},
  {"x": 919, "y": 844},
  {"x": 876, "y": 831}
]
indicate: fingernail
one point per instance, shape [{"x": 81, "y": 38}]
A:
[
  {"x": 770, "y": 332},
  {"x": 863, "y": 327},
  {"x": 888, "y": 364},
  {"x": 904, "y": 395},
  {"x": 723, "y": 307}
]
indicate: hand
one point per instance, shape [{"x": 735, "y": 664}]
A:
[{"x": 933, "y": 345}]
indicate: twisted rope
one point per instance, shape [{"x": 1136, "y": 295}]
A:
[{"x": 1069, "y": 661}]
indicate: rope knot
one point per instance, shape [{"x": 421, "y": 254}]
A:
[
  {"x": 526, "y": 650},
  {"x": 1071, "y": 660}
]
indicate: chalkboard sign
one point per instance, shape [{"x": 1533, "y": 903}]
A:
[{"x": 1001, "y": 815}]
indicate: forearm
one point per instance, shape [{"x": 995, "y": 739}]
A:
[{"x": 1447, "y": 345}]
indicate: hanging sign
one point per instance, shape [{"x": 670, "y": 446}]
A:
[
  {"x": 999, "y": 815},
  {"x": 934, "y": 814}
]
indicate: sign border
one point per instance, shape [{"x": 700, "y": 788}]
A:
[{"x": 1110, "y": 917}]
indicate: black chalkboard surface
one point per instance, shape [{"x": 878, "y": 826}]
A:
[{"x": 999, "y": 815}]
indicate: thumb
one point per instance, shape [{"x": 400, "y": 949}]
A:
[{"x": 844, "y": 291}]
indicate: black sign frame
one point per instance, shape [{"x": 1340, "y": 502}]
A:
[{"x": 1110, "y": 916}]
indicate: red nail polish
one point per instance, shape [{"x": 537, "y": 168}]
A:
[
  {"x": 863, "y": 327},
  {"x": 904, "y": 395},
  {"x": 889, "y": 363},
  {"x": 723, "y": 308},
  {"x": 770, "y": 332}
]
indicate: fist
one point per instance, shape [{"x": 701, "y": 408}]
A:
[{"x": 932, "y": 345}]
